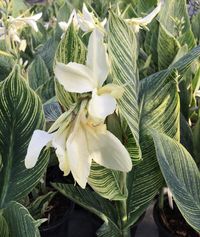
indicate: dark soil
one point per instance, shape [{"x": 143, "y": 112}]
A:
[{"x": 175, "y": 223}]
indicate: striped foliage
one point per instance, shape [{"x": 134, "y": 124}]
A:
[
  {"x": 159, "y": 103},
  {"x": 167, "y": 48},
  {"x": 3, "y": 227},
  {"x": 106, "y": 182},
  {"x": 160, "y": 107},
  {"x": 181, "y": 175},
  {"x": 175, "y": 19},
  {"x": 70, "y": 49},
  {"x": 20, "y": 114},
  {"x": 19, "y": 221},
  {"x": 122, "y": 47}
]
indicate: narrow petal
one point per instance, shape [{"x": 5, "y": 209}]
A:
[
  {"x": 78, "y": 155},
  {"x": 64, "y": 25},
  {"x": 32, "y": 24},
  {"x": 100, "y": 106},
  {"x": 108, "y": 151},
  {"x": 59, "y": 143},
  {"x": 147, "y": 19},
  {"x": 97, "y": 58},
  {"x": 88, "y": 16},
  {"x": 74, "y": 77},
  {"x": 38, "y": 141}
]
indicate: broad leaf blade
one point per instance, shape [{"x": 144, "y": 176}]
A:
[
  {"x": 37, "y": 73},
  {"x": 106, "y": 182},
  {"x": 3, "y": 227},
  {"x": 168, "y": 47},
  {"x": 181, "y": 175},
  {"x": 159, "y": 109},
  {"x": 20, "y": 114},
  {"x": 122, "y": 46},
  {"x": 20, "y": 222},
  {"x": 174, "y": 17}
]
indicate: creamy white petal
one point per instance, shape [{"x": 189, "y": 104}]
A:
[
  {"x": 108, "y": 151},
  {"x": 74, "y": 77},
  {"x": 147, "y": 19},
  {"x": 39, "y": 140},
  {"x": 88, "y": 16},
  {"x": 20, "y": 21},
  {"x": 32, "y": 24},
  {"x": 97, "y": 58},
  {"x": 78, "y": 155},
  {"x": 64, "y": 25},
  {"x": 59, "y": 143},
  {"x": 100, "y": 106}
]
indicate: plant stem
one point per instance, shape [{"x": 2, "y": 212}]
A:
[
  {"x": 161, "y": 199},
  {"x": 122, "y": 209}
]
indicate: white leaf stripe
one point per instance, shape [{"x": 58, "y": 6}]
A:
[
  {"x": 122, "y": 46},
  {"x": 20, "y": 222},
  {"x": 105, "y": 182},
  {"x": 20, "y": 114}
]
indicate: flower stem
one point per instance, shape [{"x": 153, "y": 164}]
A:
[{"x": 122, "y": 209}]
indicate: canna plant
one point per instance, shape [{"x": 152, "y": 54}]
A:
[
  {"x": 146, "y": 113},
  {"x": 120, "y": 95}
]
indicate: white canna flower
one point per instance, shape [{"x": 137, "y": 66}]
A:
[
  {"x": 78, "y": 143},
  {"x": 80, "y": 78},
  {"x": 88, "y": 22},
  {"x": 73, "y": 18},
  {"x": 20, "y": 22},
  {"x": 138, "y": 22}
]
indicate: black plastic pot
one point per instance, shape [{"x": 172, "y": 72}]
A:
[
  {"x": 83, "y": 223},
  {"x": 58, "y": 229},
  {"x": 135, "y": 226},
  {"x": 162, "y": 228}
]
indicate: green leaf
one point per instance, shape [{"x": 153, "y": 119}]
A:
[
  {"x": 47, "y": 90},
  {"x": 70, "y": 49},
  {"x": 122, "y": 46},
  {"x": 20, "y": 114},
  {"x": 181, "y": 175},
  {"x": 37, "y": 73},
  {"x": 108, "y": 230},
  {"x": 168, "y": 47},
  {"x": 185, "y": 62},
  {"x": 47, "y": 52},
  {"x": 160, "y": 108},
  {"x": 38, "y": 206},
  {"x": 3, "y": 227},
  {"x": 174, "y": 17},
  {"x": 6, "y": 63},
  {"x": 195, "y": 27},
  {"x": 196, "y": 140},
  {"x": 90, "y": 200},
  {"x": 18, "y": 7},
  {"x": 106, "y": 182},
  {"x": 52, "y": 110},
  {"x": 20, "y": 222}
]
